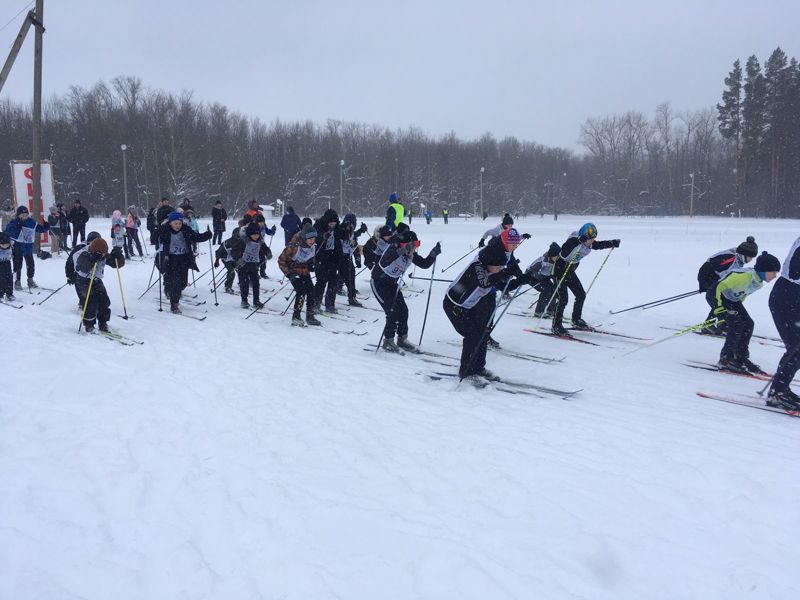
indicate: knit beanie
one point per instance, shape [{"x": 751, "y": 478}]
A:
[
  {"x": 553, "y": 250},
  {"x": 310, "y": 233},
  {"x": 766, "y": 263},
  {"x": 175, "y": 216},
  {"x": 507, "y": 220},
  {"x": 392, "y": 198},
  {"x": 91, "y": 236},
  {"x": 493, "y": 254},
  {"x": 98, "y": 246},
  {"x": 22, "y": 210},
  {"x": 251, "y": 229},
  {"x": 748, "y": 247}
]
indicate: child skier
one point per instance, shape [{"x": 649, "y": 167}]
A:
[
  {"x": 23, "y": 231},
  {"x": 784, "y": 303},
  {"x": 90, "y": 263},
  {"x": 329, "y": 256},
  {"x": 577, "y": 247},
  {"x": 296, "y": 262},
  {"x": 132, "y": 225},
  {"x": 265, "y": 231},
  {"x": 118, "y": 239},
  {"x": 385, "y": 283},
  {"x": 730, "y": 294},
  {"x": 54, "y": 221},
  {"x": 176, "y": 258},
  {"x": 69, "y": 265},
  {"x": 376, "y": 245},
  {"x": 506, "y": 223},
  {"x": 540, "y": 273},
  {"x": 716, "y": 268},
  {"x": 224, "y": 254},
  {"x": 191, "y": 222},
  {"x": 250, "y": 253},
  {"x": 6, "y": 272}
]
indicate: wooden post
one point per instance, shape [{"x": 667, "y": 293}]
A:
[{"x": 37, "y": 117}]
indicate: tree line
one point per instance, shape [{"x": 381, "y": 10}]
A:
[{"x": 741, "y": 158}]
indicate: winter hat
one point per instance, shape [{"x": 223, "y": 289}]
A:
[
  {"x": 174, "y": 216},
  {"x": 306, "y": 221},
  {"x": 493, "y": 254},
  {"x": 252, "y": 229},
  {"x": 553, "y": 250},
  {"x": 748, "y": 247},
  {"x": 392, "y": 198},
  {"x": 310, "y": 233},
  {"x": 98, "y": 246},
  {"x": 766, "y": 262},
  {"x": 218, "y": 202},
  {"x": 405, "y": 236},
  {"x": 507, "y": 220},
  {"x": 401, "y": 227},
  {"x": 4, "y": 238},
  {"x": 22, "y": 210},
  {"x": 587, "y": 232},
  {"x": 510, "y": 236},
  {"x": 384, "y": 231},
  {"x": 350, "y": 219},
  {"x": 93, "y": 235},
  {"x": 116, "y": 214}
]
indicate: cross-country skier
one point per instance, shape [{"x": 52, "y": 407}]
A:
[
  {"x": 218, "y": 217},
  {"x": 69, "y": 265},
  {"x": 541, "y": 275},
  {"x": 118, "y": 238},
  {"x": 90, "y": 263},
  {"x": 577, "y": 247},
  {"x": 329, "y": 255},
  {"x": 6, "y": 272},
  {"x": 385, "y": 282},
  {"x": 250, "y": 253},
  {"x": 730, "y": 295},
  {"x": 23, "y": 231},
  {"x": 376, "y": 245},
  {"x": 223, "y": 253},
  {"x": 506, "y": 223},
  {"x": 716, "y": 268},
  {"x": 132, "y": 226},
  {"x": 784, "y": 303},
  {"x": 296, "y": 262},
  {"x": 175, "y": 248}
]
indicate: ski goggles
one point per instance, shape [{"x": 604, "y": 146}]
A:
[{"x": 416, "y": 244}]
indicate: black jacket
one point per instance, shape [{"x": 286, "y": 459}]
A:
[
  {"x": 78, "y": 216},
  {"x": 165, "y": 232},
  {"x": 162, "y": 213},
  {"x": 218, "y": 217}
]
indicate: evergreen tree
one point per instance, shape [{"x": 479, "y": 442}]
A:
[
  {"x": 730, "y": 118},
  {"x": 753, "y": 124}
]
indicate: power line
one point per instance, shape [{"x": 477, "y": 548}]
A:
[{"x": 26, "y": 7}]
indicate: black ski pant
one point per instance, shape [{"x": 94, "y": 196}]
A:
[
  {"x": 17, "y": 257},
  {"x": 573, "y": 284},
  {"x": 326, "y": 283},
  {"x": 347, "y": 277},
  {"x": 176, "y": 276},
  {"x": 784, "y": 303},
  {"x": 98, "y": 308},
  {"x": 740, "y": 330},
  {"x": 6, "y": 279},
  {"x": 471, "y": 324},
  {"x": 230, "y": 267},
  {"x": 304, "y": 294},
  {"x": 133, "y": 238},
  {"x": 217, "y": 236},
  {"x": 387, "y": 291},
  {"x": 78, "y": 229},
  {"x": 545, "y": 288},
  {"x": 711, "y": 300},
  {"x": 248, "y": 278}
]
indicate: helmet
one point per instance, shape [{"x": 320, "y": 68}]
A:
[{"x": 587, "y": 232}]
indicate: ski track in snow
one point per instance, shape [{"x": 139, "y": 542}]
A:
[{"x": 248, "y": 459}]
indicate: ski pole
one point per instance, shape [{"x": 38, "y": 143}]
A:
[
  {"x": 161, "y": 266},
  {"x": 206, "y": 272},
  {"x": 285, "y": 310},
  {"x": 556, "y": 294},
  {"x": 657, "y": 302},
  {"x": 674, "y": 335},
  {"x": 432, "y": 279},
  {"x": 149, "y": 281},
  {"x": 471, "y": 250},
  {"x": 88, "y": 293},
  {"x": 789, "y": 355},
  {"x": 389, "y": 315},
  {"x": 213, "y": 274},
  {"x": 487, "y": 331},
  {"x": 668, "y": 301},
  {"x": 53, "y": 293},
  {"x": 122, "y": 295},
  {"x": 194, "y": 281},
  {"x": 267, "y": 300},
  {"x": 596, "y": 275},
  {"x": 428, "y": 303}
]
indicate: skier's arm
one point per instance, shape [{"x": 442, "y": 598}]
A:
[{"x": 605, "y": 244}]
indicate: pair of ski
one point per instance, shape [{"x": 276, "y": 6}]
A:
[
  {"x": 764, "y": 340},
  {"x": 749, "y": 401},
  {"x": 423, "y": 355},
  {"x": 266, "y": 310},
  {"x": 117, "y": 337},
  {"x": 12, "y": 304},
  {"x": 514, "y": 354},
  {"x": 706, "y": 366},
  {"x": 507, "y": 386},
  {"x": 571, "y": 338}
]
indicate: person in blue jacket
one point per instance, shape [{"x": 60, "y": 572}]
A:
[
  {"x": 23, "y": 231},
  {"x": 290, "y": 224}
]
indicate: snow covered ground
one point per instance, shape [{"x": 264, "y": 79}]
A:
[{"x": 236, "y": 458}]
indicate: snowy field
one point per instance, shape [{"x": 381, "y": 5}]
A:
[{"x": 237, "y": 459}]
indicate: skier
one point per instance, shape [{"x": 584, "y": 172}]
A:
[
  {"x": 249, "y": 253},
  {"x": 296, "y": 262},
  {"x": 715, "y": 269},
  {"x": 90, "y": 263},
  {"x": 428, "y": 216},
  {"x": 54, "y": 221},
  {"x": 541, "y": 276},
  {"x": 132, "y": 225},
  {"x": 23, "y": 231},
  {"x": 6, "y": 272},
  {"x": 506, "y": 223},
  {"x": 577, "y": 247},
  {"x": 218, "y": 218},
  {"x": 160, "y": 215},
  {"x": 329, "y": 255},
  {"x": 385, "y": 282},
  {"x": 78, "y": 216},
  {"x": 69, "y": 265},
  {"x": 445, "y": 215},
  {"x": 224, "y": 254},
  {"x": 730, "y": 295},
  {"x": 176, "y": 258},
  {"x": 265, "y": 231},
  {"x": 118, "y": 232},
  {"x": 784, "y": 303},
  {"x": 188, "y": 219},
  {"x": 395, "y": 212},
  {"x": 290, "y": 223},
  {"x": 470, "y": 302},
  {"x": 376, "y": 245},
  {"x": 347, "y": 272}
]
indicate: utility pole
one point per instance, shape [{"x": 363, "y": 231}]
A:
[
  {"x": 125, "y": 174},
  {"x": 37, "y": 116},
  {"x": 691, "y": 196},
  {"x": 341, "y": 188}
]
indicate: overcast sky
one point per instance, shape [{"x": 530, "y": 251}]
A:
[{"x": 530, "y": 69}]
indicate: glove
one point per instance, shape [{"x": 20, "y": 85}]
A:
[
  {"x": 216, "y": 264},
  {"x": 71, "y": 280},
  {"x": 436, "y": 250},
  {"x": 526, "y": 236},
  {"x": 481, "y": 244},
  {"x": 513, "y": 268},
  {"x": 615, "y": 243},
  {"x": 272, "y": 231}
]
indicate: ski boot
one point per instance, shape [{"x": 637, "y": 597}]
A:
[
  {"x": 332, "y": 310},
  {"x": 390, "y": 346},
  {"x": 312, "y": 320},
  {"x": 32, "y": 284},
  {"x": 487, "y": 374},
  {"x": 89, "y": 327},
  {"x": 785, "y": 399},
  {"x": 493, "y": 343},
  {"x": 229, "y": 290},
  {"x": 581, "y": 325},
  {"x": 18, "y": 285},
  {"x": 175, "y": 308},
  {"x": 245, "y": 304},
  {"x": 297, "y": 321},
  {"x": 103, "y": 326},
  {"x": 402, "y": 342},
  {"x": 10, "y": 297},
  {"x": 751, "y": 366},
  {"x": 258, "y": 305},
  {"x": 558, "y": 329},
  {"x": 354, "y": 302},
  {"x": 727, "y": 363}
]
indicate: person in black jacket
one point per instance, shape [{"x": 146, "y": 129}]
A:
[
  {"x": 541, "y": 276},
  {"x": 78, "y": 216},
  {"x": 90, "y": 263},
  {"x": 218, "y": 218},
  {"x": 470, "y": 302},
  {"x": 69, "y": 264},
  {"x": 156, "y": 218},
  {"x": 347, "y": 271},
  {"x": 784, "y": 304},
  {"x": 54, "y": 221},
  {"x": 385, "y": 283},
  {"x": 329, "y": 255},
  {"x": 577, "y": 247},
  {"x": 290, "y": 223},
  {"x": 715, "y": 269},
  {"x": 250, "y": 253},
  {"x": 175, "y": 256}
]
